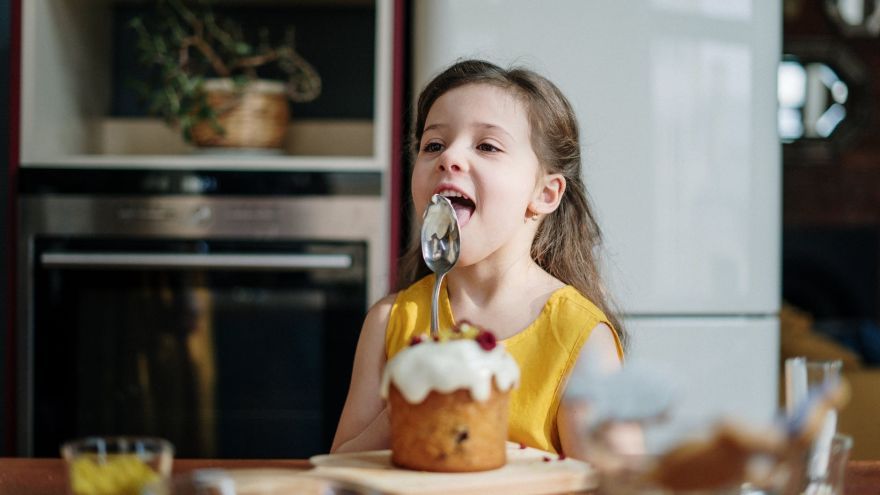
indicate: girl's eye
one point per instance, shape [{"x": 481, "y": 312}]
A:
[
  {"x": 432, "y": 148},
  {"x": 487, "y": 147}
]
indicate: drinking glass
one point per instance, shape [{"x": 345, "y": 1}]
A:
[
  {"x": 803, "y": 376},
  {"x": 116, "y": 465},
  {"x": 840, "y": 449},
  {"x": 826, "y": 461}
]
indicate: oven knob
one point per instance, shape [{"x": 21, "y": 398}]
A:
[{"x": 201, "y": 215}]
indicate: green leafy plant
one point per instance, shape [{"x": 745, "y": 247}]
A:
[{"x": 185, "y": 44}]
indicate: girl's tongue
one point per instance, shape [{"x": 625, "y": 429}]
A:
[
  {"x": 463, "y": 210},
  {"x": 463, "y": 213}
]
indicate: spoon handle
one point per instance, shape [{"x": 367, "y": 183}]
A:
[{"x": 435, "y": 301}]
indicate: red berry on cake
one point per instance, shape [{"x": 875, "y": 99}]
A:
[{"x": 486, "y": 339}]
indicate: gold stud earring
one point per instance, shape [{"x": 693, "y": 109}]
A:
[{"x": 531, "y": 214}]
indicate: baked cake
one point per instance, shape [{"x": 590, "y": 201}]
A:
[{"x": 448, "y": 401}]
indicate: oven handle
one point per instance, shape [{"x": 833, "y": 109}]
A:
[{"x": 150, "y": 261}]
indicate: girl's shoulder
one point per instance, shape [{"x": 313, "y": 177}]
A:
[
  {"x": 378, "y": 316},
  {"x": 383, "y": 308},
  {"x": 565, "y": 299},
  {"x": 578, "y": 312},
  {"x": 383, "y": 305},
  {"x": 574, "y": 301}
]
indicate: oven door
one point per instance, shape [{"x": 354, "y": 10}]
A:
[{"x": 228, "y": 348}]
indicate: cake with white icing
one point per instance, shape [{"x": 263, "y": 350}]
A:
[{"x": 448, "y": 402}]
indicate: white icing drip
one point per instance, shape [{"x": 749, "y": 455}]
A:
[{"x": 447, "y": 367}]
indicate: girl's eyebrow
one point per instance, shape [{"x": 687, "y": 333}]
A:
[
  {"x": 493, "y": 127},
  {"x": 483, "y": 125},
  {"x": 434, "y": 126}
]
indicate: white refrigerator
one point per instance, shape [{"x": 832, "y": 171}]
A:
[{"x": 677, "y": 105}]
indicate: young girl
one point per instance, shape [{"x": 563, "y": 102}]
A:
[{"x": 503, "y": 146}]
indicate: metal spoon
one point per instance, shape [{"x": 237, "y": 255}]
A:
[{"x": 441, "y": 245}]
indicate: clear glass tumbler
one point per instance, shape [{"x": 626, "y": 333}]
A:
[
  {"x": 804, "y": 376},
  {"x": 826, "y": 460},
  {"x": 840, "y": 449}
]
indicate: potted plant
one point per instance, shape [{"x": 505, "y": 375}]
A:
[{"x": 206, "y": 81}]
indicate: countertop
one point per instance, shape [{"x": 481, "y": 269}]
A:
[{"x": 25, "y": 476}]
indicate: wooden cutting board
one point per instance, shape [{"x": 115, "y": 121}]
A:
[{"x": 526, "y": 473}]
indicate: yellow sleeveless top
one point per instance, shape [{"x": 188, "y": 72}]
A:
[{"x": 546, "y": 352}]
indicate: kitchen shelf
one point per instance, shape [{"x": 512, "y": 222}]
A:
[
  {"x": 68, "y": 105},
  {"x": 149, "y": 143}
]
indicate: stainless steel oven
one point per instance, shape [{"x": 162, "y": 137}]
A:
[{"x": 200, "y": 307}]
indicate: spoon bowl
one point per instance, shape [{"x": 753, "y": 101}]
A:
[{"x": 441, "y": 245}]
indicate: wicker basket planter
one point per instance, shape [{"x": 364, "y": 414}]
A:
[{"x": 254, "y": 116}]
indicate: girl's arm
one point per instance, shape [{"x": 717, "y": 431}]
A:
[
  {"x": 364, "y": 423},
  {"x": 599, "y": 355}
]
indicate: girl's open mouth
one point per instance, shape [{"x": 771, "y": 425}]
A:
[{"x": 463, "y": 205}]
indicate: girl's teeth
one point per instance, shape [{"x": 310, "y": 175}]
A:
[{"x": 451, "y": 194}]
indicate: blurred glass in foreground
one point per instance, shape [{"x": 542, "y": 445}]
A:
[
  {"x": 829, "y": 451},
  {"x": 633, "y": 435},
  {"x": 116, "y": 465}
]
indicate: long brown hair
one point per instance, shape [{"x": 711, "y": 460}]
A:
[{"x": 568, "y": 240}]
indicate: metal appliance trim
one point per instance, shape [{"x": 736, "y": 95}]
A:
[{"x": 149, "y": 261}]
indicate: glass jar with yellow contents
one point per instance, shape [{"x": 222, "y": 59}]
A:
[{"x": 116, "y": 465}]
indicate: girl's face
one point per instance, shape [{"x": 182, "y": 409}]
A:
[{"x": 476, "y": 150}]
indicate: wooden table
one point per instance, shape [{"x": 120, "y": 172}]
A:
[
  {"x": 863, "y": 477},
  {"x": 19, "y": 476}
]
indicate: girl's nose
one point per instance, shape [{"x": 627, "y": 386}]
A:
[{"x": 451, "y": 161}]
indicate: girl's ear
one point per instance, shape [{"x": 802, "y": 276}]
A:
[{"x": 548, "y": 194}]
